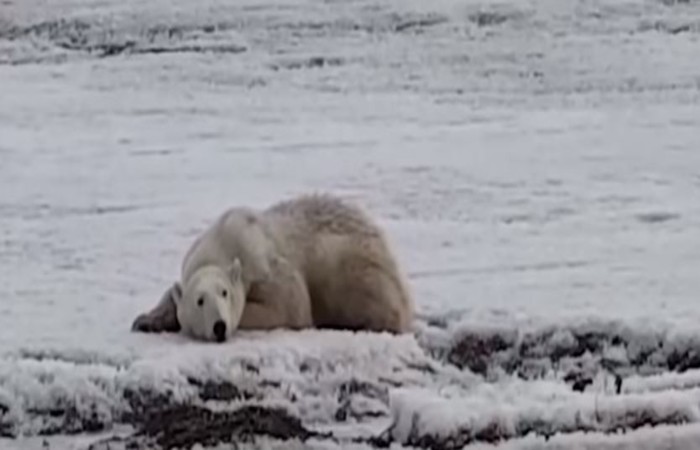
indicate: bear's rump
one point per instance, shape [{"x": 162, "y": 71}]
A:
[{"x": 352, "y": 281}]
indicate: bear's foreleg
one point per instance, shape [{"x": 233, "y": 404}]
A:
[
  {"x": 162, "y": 318},
  {"x": 280, "y": 302}
]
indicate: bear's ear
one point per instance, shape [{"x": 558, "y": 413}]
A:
[
  {"x": 176, "y": 293},
  {"x": 235, "y": 271}
]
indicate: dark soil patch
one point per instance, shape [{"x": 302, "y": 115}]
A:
[
  {"x": 69, "y": 30},
  {"x": 489, "y": 18},
  {"x": 6, "y": 428},
  {"x": 352, "y": 388},
  {"x": 419, "y": 23},
  {"x": 495, "y": 432},
  {"x": 681, "y": 361},
  {"x": 74, "y": 422},
  {"x": 571, "y": 352},
  {"x": 475, "y": 351},
  {"x": 143, "y": 403},
  {"x": 81, "y": 36},
  {"x": 491, "y": 434},
  {"x": 185, "y": 425},
  {"x": 143, "y": 406},
  {"x": 315, "y": 62},
  {"x": 66, "y": 420},
  {"x": 221, "y": 391},
  {"x": 161, "y": 423}
]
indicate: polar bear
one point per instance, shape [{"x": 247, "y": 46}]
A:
[{"x": 312, "y": 261}]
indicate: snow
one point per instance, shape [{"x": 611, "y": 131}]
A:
[
  {"x": 512, "y": 409},
  {"x": 534, "y": 163}
]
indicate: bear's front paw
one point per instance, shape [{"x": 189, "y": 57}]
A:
[{"x": 144, "y": 324}]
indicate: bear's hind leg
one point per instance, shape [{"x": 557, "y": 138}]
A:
[{"x": 367, "y": 296}]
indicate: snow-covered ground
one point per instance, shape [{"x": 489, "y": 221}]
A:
[{"x": 536, "y": 164}]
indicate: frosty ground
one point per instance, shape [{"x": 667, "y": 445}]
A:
[{"x": 535, "y": 164}]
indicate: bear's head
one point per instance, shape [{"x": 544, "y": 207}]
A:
[{"x": 210, "y": 304}]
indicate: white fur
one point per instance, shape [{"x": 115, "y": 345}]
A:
[
  {"x": 311, "y": 261},
  {"x": 211, "y": 294}
]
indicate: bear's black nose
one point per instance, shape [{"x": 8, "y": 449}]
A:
[{"x": 220, "y": 330}]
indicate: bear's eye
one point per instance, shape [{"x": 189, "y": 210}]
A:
[
  {"x": 224, "y": 293},
  {"x": 200, "y": 301}
]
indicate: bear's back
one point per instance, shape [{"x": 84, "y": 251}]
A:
[
  {"x": 323, "y": 214},
  {"x": 236, "y": 233}
]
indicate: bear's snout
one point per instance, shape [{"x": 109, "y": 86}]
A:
[{"x": 220, "y": 330}]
